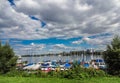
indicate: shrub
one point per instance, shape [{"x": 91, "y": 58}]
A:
[
  {"x": 17, "y": 73},
  {"x": 74, "y": 73}
]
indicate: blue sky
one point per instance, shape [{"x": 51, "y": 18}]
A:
[{"x": 53, "y": 26}]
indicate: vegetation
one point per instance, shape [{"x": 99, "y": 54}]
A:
[
  {"x": 57, "y": 80},
  {"x": 74, "y": 73},
  {"x": 112, "y": 56},
  {"x": 7, "y": 58},
  {"x": 81, "y": 73}
]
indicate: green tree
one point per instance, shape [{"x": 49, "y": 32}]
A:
[
  {"x": 112, "y": 56},
  {"x": 7, "y": 58}
]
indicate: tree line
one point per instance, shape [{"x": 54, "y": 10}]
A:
[{"x": 71, "y": 53}]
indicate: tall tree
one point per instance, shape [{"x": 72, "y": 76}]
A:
[
  {"x": 7, "y": 58},
  {"x": 112, "y": 56}
]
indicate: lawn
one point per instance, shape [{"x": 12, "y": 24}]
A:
[{"x": 57, "y": 80}]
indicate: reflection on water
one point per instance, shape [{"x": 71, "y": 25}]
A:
[{"x": 86, "y": 58}]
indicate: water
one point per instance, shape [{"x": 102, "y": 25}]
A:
[{"x": 86, "y": 58}]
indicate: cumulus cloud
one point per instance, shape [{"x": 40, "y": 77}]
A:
[
  {"x": 65, "y": 19},
  {"x": 19, "y": 48},
  {"x": 97, "y": 42},
  {"x": 15, "y": 24},
  {"x": 60, "y": 46},
  {"x": 69, "y": 18}
]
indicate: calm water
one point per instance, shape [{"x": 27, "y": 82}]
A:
[{"x": 62, "y": 58}]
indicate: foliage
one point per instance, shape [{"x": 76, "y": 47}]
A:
[
  {"x": 17, "y": 73},
  {"x": 82, "y": 73},
  {"x": 112, "y": 56},
  {"x": 7, "y": 58},
  {"x": 74, "y": 73},
  {"x": 78, "y": 73}
]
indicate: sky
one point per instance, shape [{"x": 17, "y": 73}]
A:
[{"x": 53, "y": 26}]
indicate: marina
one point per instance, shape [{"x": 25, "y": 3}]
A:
[{"x": 61, "y": 61}]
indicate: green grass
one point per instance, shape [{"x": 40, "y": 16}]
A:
[{"x": 57, "y": 80}]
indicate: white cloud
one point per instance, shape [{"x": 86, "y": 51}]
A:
[
  {"x": 98, "y": 42},
  {"x": 28, "y": 49},
  {"x": 17, "y": 24},
  {"x": 82, "y": 7},
  {"x": 65, "y": 19},
  {"x": 77, "y": 42},
  {"x": 60, "y": 46}
]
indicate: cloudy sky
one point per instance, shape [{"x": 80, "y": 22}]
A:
[{"x": 46, "y": 26}]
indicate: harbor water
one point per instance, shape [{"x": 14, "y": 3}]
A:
[{"x": 36, "y": 59}]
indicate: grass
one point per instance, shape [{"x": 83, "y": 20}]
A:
[{"x": 57, "y": 80}]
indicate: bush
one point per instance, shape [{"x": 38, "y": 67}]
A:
[
  {"x": 74, "y": 73},
  {"x": 81, "y": 73},
  {"x": 17, "y": 73}
]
